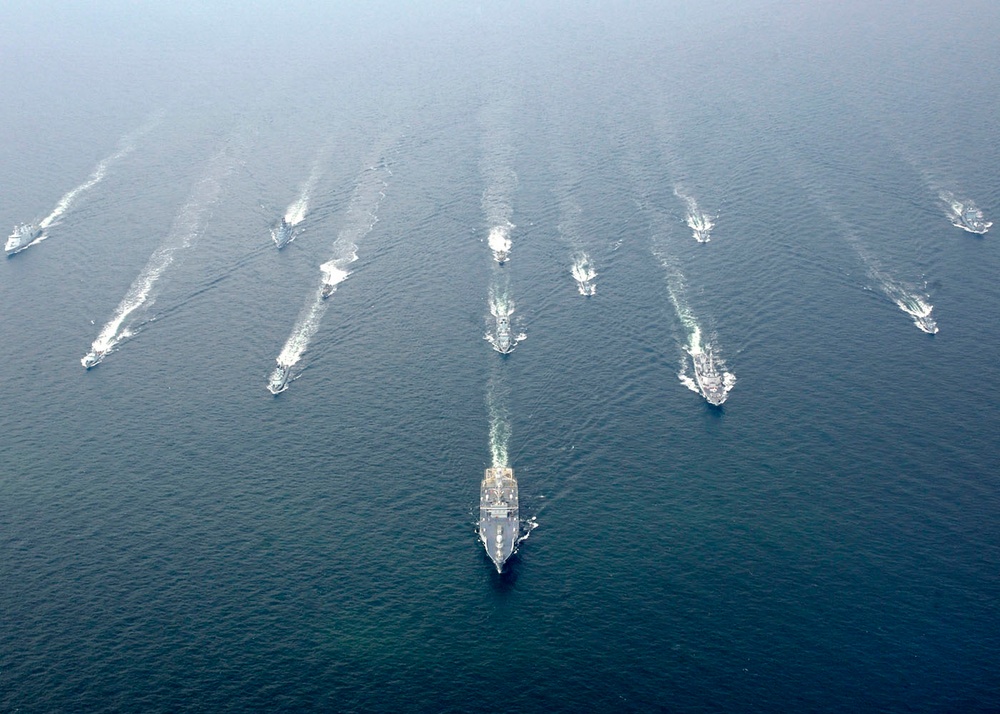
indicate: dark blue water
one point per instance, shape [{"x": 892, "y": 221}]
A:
[{"x": 174, "y": 538}]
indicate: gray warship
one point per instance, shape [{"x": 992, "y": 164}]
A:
[
  {"x": 283, "y": 234},
  {"x": 93, "y": 358},
  {"x": 968, "y": 217},
  {"x": 278, "y": 381},
  {"x": 505, "y": 342},
  {"x": 21, "y": 237},
  {"x": 498, "y": 519},
  {"x": 710, "y": 382}
]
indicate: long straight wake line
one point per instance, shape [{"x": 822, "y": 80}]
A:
[
  {"x": 912, "y": 302},
  {"x": 182, "y": 234},
  {"x": 126, "y": 145},
  {"x": 497, "y": 393},
  {"x": 361, "y": 217},
  {"x": 296, "y": 212}
]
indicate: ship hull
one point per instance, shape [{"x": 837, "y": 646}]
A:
[
  {"x": 498, "y": 514},
  {"x": 22, "y": 237},
  {"x": 279, "y": 380},
  {"x": 708, "y": 379}
]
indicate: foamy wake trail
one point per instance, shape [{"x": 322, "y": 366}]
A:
[
  {"x": 956, "y": 207},
  {"x": 584, "y": 274},
  {"x": 694, "y": 339},
  {"x": 125, "y": 147},
  {"x": 296, "y": 212},
  {"x": 502, "y": 306},
  {"x": 499, "y": 241},
  {"x": 676, "y": 291},
  {"x": 700, "y": 223},
  {"x": 913, "y": 303},
  {"x": 182, "y": 234},
  {"x": 305, "y": 328},
  {"x": 496, "y": 402},
  {"x": 361, "y": 217},
  {"x": 335, "y": 272},
  {"x": 500, "y": 178}
]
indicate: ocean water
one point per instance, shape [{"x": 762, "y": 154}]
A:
[{"x": 175, "y": 538}]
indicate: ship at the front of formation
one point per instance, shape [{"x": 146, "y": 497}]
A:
[{"x": 498, "y": 516}]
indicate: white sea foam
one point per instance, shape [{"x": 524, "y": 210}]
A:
[
  {"x": 695, "y": 343},
  {"x": 700, "y": 223},
  {"x": 907, "y": 298},
  {"x": 499, "y": 176},
  {"x": 296, "y": 212},
  {"x": 334, "y": 272},
  {"x": 126, "y": 146},
  {"x": 501, "y": 306},
  {"x": 584, "y": 274},
  {"x": 496, "y": 403},
  {"x": 955, "y": 208},
  {"x": 183, "y": 232},
  {"x": 912, "y": 303},
  {"x": 499, "y": 242},
  {"x": 361, "y": 217}
]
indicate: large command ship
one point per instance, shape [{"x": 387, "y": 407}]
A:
[{"x": 498, "y": 519}]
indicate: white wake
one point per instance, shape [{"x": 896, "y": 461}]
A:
[
  {"x": 958, "y": 208},
  {"x": 296, "y": 212},
  {"x": 499, "y": 242},
  {"x": 502, "y": 306},
  {"x": 496, "y": 166},
  {"x": 126, "y": 145},
  {"x": 496, "y": 403},
  {"x": 584, "y": 274},
  {"x": 694, "y": 341},
  {"x": 360, "y": 219},
  {"x": 183, "y": 232},
  {"x": 700, "y": 222}
]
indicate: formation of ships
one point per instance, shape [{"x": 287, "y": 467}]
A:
[{"x": 499, "y": 522}]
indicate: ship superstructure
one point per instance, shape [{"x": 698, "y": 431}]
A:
[
  {"x": 498, "y": 518},
  {"x": 21, "y": 237},
  {"x": 283, "y": 234},
  {"x": 968, "y": 217},
  {"x": 505, "y": 341},
  {"x": 710, "y": 382},
  {"x": 278, "y": 381},
  {"x": 93, "y": 358}
]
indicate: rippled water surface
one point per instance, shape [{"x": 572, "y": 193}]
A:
[{"x": 761, "y": 180}]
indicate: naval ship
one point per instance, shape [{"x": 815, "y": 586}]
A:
[
  {"x": 710, "y": 382},
  {"x": 279, "y": 379},
  {"x": 505, "y": 342},
  {"x": 21, "y": 237},
  {"x": 93, "y": 358},
  {"x": 968, "y": 217},
  {"x": 498, "y": 520},
  {"x": 283, "y": 234}
]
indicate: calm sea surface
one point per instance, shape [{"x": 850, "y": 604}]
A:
[{"x": 175, "y": 538}]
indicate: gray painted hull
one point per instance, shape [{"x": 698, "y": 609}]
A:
[{"x": 498, "y": 517}]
